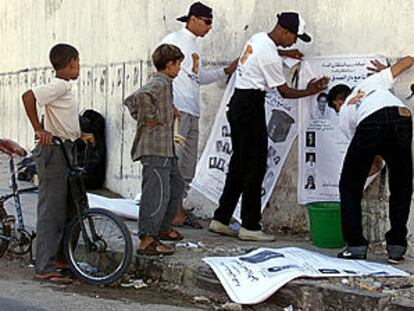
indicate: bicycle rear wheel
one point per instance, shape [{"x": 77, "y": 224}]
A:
[
  {"x": 5, "y": 231},
  {"x": 101, "y": 253}
]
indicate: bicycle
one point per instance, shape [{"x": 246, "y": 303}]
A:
[
  {"x": 14, "y": 236},
  {"x": 97, "y": 243}
]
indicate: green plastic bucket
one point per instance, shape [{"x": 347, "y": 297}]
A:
[{"x": 325, "y": 224}]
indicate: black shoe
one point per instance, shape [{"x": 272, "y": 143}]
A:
[
  {"x": 396, "y": 253},
  {"x": 354, "y": 252}
]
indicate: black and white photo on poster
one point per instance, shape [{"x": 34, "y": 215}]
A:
[{"x": 310, "y": 139}]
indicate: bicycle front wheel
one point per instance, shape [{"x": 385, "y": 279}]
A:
[
  {"x": 5, "y": 231},
  {"x": 98, "y": 247}
]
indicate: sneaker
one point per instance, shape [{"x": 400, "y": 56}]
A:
[
  {"x": 255, "y": 235},
  {"x": 354, "y": 252},
  {"x": 396, "y": 253},
  {"x": 220, "y": 228}
]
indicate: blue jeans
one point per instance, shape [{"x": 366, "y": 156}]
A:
[{"x": 388, "y": 133}]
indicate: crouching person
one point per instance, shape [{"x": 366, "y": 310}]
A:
[
  {"x": 378, "y": 123},
  {"x": 162, "y": 184}
]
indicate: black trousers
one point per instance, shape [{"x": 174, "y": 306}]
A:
[
  {"x": 388, "y": 133},
  {"x": 247, "y": 166}
]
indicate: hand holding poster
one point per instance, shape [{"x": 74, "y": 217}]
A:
[{"x": 213, "y": 165}]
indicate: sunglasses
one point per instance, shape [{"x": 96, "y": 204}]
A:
[{"x": 208, "y": 21}]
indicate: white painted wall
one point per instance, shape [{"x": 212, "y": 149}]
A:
[
  {"x": 117, "y": 30},
  {"x": 115, "y": 38}
]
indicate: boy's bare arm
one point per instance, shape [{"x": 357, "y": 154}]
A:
[{"x": 29, "y": 102}]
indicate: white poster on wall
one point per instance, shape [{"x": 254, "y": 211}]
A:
[
  {"x": 322, "y": 145},
  {"x": 281, "y": 115}
]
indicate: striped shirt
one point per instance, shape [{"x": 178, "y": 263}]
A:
[{"x": 152, "y": 107}]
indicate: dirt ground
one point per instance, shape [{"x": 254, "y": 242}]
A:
[{"x": 16, "y": 281}]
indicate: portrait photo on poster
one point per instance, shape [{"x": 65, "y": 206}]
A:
[
  {"x": 320, "y": 109},
  {"x": 310, "y": 139},
  {"x": 310, "y": 161},
  {"x": 310, "y": 182}
]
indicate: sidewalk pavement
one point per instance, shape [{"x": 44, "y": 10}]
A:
[{"x": 186, "y": 270}]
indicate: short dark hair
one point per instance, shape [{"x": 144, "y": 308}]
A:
[
  {"x": 164, "y": 54},
  {"x": 320, "y": 95},
  {"x": 340, "y": 91},
  {"x": 61, "y": 54}
]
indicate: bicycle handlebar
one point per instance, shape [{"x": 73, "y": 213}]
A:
[{"x": 57, "y": 141}]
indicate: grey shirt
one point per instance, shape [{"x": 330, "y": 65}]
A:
[{"x": 153, "y": 108}]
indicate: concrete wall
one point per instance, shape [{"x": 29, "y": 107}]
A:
[{"x": 115, "y": 37}]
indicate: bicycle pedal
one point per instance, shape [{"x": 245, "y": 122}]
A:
[{"x": 10, "y": 221}]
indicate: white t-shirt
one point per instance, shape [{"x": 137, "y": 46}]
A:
[
  {"x": 60, "y": 108},
  {"x": 260, "y": 66},
  {"x": 186, "y": 86},
  {"x": 377, "y": 96}
]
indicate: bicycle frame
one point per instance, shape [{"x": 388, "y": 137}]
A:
[
  {"x": 78, "y": 194},
  {"x": 19, "y": 236},
  {"x": 16, "y": 195}
]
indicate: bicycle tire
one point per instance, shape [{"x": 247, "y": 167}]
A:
[
  {"x": 22, "y": 245},
  {"x": 72, "y": 244},
  {"x": 5, "y": 231}
]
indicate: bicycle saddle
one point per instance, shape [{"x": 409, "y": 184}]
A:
[{"x": 12, "y": 148}]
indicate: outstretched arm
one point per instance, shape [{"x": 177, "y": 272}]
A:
[
  {"x": 398, "y": 68},
  {"x": 402, "y": 65},
  {"x": 314, "y": 86},
  {"x": 294, "y": 53}
]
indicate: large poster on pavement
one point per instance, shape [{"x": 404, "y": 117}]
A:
[
  {"x": 322, "y": 145},
  {"x": 254, "y": 277}
]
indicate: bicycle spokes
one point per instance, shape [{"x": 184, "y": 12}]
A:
[
  {"x": 21, "y": 242},
  {"x": 99, "y": 247}
]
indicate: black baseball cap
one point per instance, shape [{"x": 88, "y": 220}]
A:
[
  {"x": 197, "y": 9},
  {"x": 293, "y": 22}
]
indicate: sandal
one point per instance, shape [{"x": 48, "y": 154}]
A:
[
  {"x": 192, "y": 222},
  {"x": 171, "y": 235},
  {"x": 54, "y": 277},
  {"x": 156, "y": 248}
]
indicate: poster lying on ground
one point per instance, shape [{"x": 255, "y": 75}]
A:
[
  {"x": 322, "y": 145},
  {"x": 125, "y": 208},
  {"x": 254, "y": 277},
  {"x": 213, "y": 165}
]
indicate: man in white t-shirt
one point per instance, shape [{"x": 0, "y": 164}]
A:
[
  {"x": 377, "y": 123},
  {"x": 186, "y": 89},
  {"x": 259, "y": 70}
]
